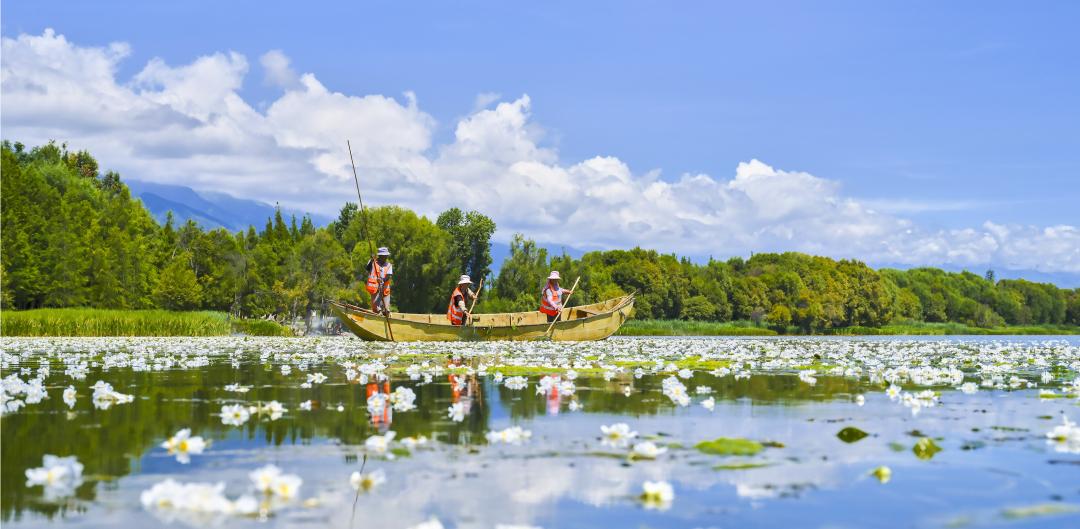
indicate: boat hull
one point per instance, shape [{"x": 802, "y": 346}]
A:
[{"x": 585, "y": 323}]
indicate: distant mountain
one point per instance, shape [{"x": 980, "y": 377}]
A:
[{"x": 209, "y": 209}]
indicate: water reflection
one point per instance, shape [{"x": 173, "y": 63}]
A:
[{"x": 994, "y": 449}]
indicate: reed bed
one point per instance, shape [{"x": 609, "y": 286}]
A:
[
  {"x": 691, "y": 328},
  {"x": 106, "y": 322}
]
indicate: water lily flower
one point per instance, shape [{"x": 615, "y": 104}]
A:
[
  {"x": 657, "y": 495},
  {"x": 237, "y": 388},
  {"x": 685, "y": 373},
  {"x": 617, "y": 435},
  {"x": 456, "y": 412},
  {"x": 709, "y": 403},
  {"x": 368, "y": 481},
  {"x": 306, "y": 405},
  {"x": 69, "y": 396},
  {"x": 516, "y": 383},
  {"x": 969, "y": 388},
  {"x": 627, "y": 390},
  {"x": 1065, "y": 437},
  {"x": 60, "y": 476},
  {"x": 286, "y": 369},
  {"x": 263, "y": 478},
  {"x": 234, "y": 414},
  {"x": 274, "y": 408},
  {"x": 647, "y": 450},
  {"x": 860, "y": 400},
  {"x": 316, "y": 378},
  {"x": 412, "y": 442},
  {"x": 379, "y": 444},
  {"x": 183, "y": 445},
  {"x": 511, "y": 435},
  {"x": 403, "y": 399},
  {"x": 882, "y": 473},
  {"x": 893, "y": 392}
]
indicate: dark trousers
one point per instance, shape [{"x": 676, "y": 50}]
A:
[{"x": 552, "y": 318}]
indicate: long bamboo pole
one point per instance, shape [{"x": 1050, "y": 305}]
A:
[{"x": 371, "y": 246}]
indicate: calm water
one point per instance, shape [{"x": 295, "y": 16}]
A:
[{"x": 996, "y": 465}]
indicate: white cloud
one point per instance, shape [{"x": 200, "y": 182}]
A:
[
  {"x": 276, "y": 69},
  {"x": 188, "y": 125}
]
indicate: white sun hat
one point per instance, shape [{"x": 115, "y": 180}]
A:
[
  {"x": 464, "y": 280},
  {"x": 554, "y": 275},
  {"x": 384, "y": 251}
]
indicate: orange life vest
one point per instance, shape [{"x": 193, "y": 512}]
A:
[
  {"x": 453, "y": 312},
  {"x": 377, "y": 274},
  {"x": 550, "y": 300}
]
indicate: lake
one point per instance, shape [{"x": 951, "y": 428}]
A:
[{"x": 936, "y": 432}]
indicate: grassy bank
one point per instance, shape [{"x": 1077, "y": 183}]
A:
[
  {"x": 745, "y": 328},
  {"x": 105, "y": 322}
]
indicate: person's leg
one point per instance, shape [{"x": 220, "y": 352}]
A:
[{"x": 551, "y": 318}]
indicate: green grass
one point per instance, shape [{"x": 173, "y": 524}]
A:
[
  {"x": 691, "y": 328},
  {"x": 260, "y": 327},
  {"x": 745, "y": 328},
  {"x": 107, "y": 322}
]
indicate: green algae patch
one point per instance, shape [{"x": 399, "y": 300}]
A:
[{"x": 729, "y": 446}]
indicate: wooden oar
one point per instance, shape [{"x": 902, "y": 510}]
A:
[
  {"x": 473, "y": 305},
  {"x": 559, "y": 315}
]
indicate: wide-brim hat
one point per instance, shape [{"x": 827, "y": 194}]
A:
[
  {"x": 384, "y": 251},
  {"x": 464, "y": 280},
  {"x": 554, "y": 275}
]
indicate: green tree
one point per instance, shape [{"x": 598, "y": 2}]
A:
[{"x": 177, "y": 287}]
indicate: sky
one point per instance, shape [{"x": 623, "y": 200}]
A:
[{"x": 899, "y": 133}]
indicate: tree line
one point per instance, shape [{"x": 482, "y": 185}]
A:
[{"x": 74, "y": 236}]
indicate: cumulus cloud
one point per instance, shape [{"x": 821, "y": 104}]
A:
[{"x": 187, "y": 124}]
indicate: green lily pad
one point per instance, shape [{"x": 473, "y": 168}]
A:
[
  {"x": 851, "y": 434},
  {"x": 741, "y": 466},
  {"x": 1042, "y": 509},
  {"x": 729, "y": 446},
  {"x": 925, "y": 448}
]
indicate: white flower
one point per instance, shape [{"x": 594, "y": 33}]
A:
[
  {"x": 647, "y": 450},
  {"x": 1065, "y": 437},
  {"x": 286, "y": 369},
  {"x": 860, "y": 400},
  {"x": 893, "y": 392},
  {"x": 627, "y": 391},
  {"x": 413, "y": 442},
  {"x": 379, "y": 444},
  {"x": 234, "y": 415},
  {"x": 456, "y": 412},
  {"x": 263, "y": 478},
  {"x": 59, "y": 475},
  {"x": 516, "y": 383},
  {"x": 274, "y": 408},
  {"x": 709, "y": 403},
  {"x": 969, "y": 387},
  {"x": 511, "y": 435},
  {"x": 69, "y": 396},
  {"x": 657, "y": 494},
  {"x": 703, "y": 390},
  {"x": 316, "y": 378},
  {"x": 617, "y": 435},
  {"x": 183, "y": 445},
  {"x": 403, "y": 399},
  {"x": 376, "y": 403},
  {"x": 306, "y": 405},
  {"x": 286, "y": 486},
  {"x": 237, "y": 388},
  {"x": 367, "y": 482},
  {"x": 685, "y": 373}
]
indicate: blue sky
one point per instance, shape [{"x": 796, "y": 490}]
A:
[{"x": 944, "y": 114}]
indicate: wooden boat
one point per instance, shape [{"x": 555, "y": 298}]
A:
[{"x": 584, "y": 323}]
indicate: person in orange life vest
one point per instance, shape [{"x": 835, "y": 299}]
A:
[
  {"x": 458, "y": 310},
  {"x": 383, "y": 419},
  {"x": 551, "y": 296},
  {"x": 380, "y": 274}
]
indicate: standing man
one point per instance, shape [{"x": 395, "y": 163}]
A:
[
  {"x": 458, "y": 311},
  {"x": 551, "y": 297},
  {"x": 380, "y": 274}
]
